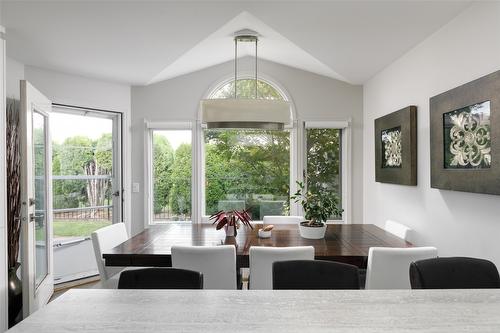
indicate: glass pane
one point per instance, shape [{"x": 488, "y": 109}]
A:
[
  {"x": 171, "y": 175},
  {"x": 324, "y": 161},
  {"x": 246, "y": 89},
  {"x": 39, "y": 164},
  {"x": 247, "y": 169},
  {"x": 467, "y": 137},
  {"x": 82, "y": 168}
]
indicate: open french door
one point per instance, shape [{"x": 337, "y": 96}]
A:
[{"x": 36, "y": 199}]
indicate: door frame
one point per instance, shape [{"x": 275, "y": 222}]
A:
[{"x": 118, "y": 157}]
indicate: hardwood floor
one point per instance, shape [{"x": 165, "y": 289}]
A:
[{"x": 85, "y": 283}]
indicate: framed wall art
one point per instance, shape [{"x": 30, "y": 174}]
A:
[
  {"x": 465, "y": 137},
  {"x": 396, "y": 147}
]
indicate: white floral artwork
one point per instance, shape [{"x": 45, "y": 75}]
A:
[
  {"x": 391, "y": 143},
  {"x": 470, "y": 137}
]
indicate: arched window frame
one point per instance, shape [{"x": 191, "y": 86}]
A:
[{"x": 199, "y": 167}]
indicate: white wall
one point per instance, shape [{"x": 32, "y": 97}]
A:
[
  {"x": 80, "y": 91},
  {"x": 314, "y": 96},
  {"x": 15, "y": 73},
  {"x": 457, "y": 223}
]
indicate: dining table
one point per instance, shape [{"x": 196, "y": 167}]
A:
[
  {"x": 347, "y": 243},
  {"x": 220, "y": 311}
]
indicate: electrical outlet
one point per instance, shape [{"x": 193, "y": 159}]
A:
[{"x": 135, "y": 187}]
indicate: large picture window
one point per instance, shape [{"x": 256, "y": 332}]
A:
[{"x": 247, "y": 169}]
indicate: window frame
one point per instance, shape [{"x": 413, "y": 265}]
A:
[
  {"x": 345, "y": 166},
  {"x": 293, "y": 171},
  {"x": 118, "y": 144},
  {"x": 292, "y": 127},
  {"x": 150, "y": 127}
]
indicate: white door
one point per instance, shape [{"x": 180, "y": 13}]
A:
[{"x": 36, "y": 199}]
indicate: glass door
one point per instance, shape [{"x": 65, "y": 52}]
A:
[
  {"x": 87, "y": 187},
  {"x": 36, "y": 199}
]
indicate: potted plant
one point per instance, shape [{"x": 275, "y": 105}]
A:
[
  {"x": 230, "y": 220},
  {"x": 318, "y": 207}
]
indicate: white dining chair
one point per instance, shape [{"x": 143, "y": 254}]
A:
[
  {"x": 276, "y": 219},
  {"x": 216, "y": 263},
  {"x": 103, "y": 240},
  {"x": 389, "y": 268},
  {"x": 398, "y": 230},
  {"x": 262, "y": 259}
]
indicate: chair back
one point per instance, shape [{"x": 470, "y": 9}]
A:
[
  {"x": 388, "y": 267},
  {"x": 216, "y": 263},
  {"x": 275, "y": 219},
  {"x": 262, "y": 259},
  {"x": 454, "y": 273},
  {"x": 105, "y": 239},
  {"x": 399, "y": 230},
  {"x": 160, "y": 278},
  {"x": 314, "y": 274}
]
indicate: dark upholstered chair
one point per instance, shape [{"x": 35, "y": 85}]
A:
[
  {"x": 160, "y": 278},
  {"x": 314, "y": 274},
  {"x": 453, "y": 273}
]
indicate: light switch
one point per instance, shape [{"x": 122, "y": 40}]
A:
[{"x": 135, "y": 187}]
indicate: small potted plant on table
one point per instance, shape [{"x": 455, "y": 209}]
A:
[
  {"x": 318, "y": 207},
  {"x": 230, "y": 220}
]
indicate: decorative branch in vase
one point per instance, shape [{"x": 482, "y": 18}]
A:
[
  {"x": 13, "y": 159},
  {"x": 230, "y": 220}
]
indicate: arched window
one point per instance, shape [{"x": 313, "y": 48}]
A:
[
  {"x": 246, "y": 89},
  {"x": 247, "y": 168}
]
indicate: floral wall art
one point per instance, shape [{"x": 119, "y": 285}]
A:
[
  {"x": 467, "y": 137},
  {"x": 465, "y": 134},
  {"x": 392, "y": 156},
  {"x": 396, "y": 147}
]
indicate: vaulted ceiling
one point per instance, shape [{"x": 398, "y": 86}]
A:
[{"x": 140, "y": 42}]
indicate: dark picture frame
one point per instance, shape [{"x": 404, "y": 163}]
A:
[
  {"x": 484, "y": 175},
  {"x": 403, "y": 171}
]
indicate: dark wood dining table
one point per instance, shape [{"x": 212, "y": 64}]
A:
[{"x": 348, "y": 243}]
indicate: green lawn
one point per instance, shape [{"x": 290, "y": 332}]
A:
[{"x": 81, "y": 228}]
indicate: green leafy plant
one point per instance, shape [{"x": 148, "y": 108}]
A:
[
  {"x": 318, "y": 206},
  {"x": 231, "y": 218}
]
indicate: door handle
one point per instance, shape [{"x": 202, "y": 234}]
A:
[
  {"x": 32, "y": 217},
  {"x": 31, "y": 201},
  {"x": 116, "y": 194}
]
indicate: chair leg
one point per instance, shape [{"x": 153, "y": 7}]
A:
[{"x": 362, "y": 278}]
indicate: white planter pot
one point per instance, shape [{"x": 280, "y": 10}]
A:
[{"x": 312, "y": 232}]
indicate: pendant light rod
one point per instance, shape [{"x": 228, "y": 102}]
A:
[
  {"x": 235, "y": 65},
  {"x": 256, "y": 41},
  {"x": 244, "y": 36}
]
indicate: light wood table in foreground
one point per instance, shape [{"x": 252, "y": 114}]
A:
[{"x": 268, "y": 311}]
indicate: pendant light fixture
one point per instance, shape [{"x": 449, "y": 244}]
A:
[{"x": 243, "y": 112}]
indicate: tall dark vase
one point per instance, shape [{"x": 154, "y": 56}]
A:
[{"x": 15, "y": 296}]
